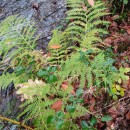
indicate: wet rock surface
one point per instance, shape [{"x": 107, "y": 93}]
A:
[{"x": 47, "y": 16}]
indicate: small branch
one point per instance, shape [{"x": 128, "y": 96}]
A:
[
  {"x": 122, "y": 8},
  {"x": 15, "y": 122}
]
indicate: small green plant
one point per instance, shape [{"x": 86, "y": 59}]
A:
[{"x": 48, "y": 74}]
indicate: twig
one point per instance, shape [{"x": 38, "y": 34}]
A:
[
  {"x": 15, "y": 122},
  {"x": 122, "y": 8}
]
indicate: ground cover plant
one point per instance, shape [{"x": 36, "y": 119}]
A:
[{"x": 59, "y": 90}]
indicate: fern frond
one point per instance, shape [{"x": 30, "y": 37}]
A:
[
  {"x": 74, "y": 69},
  {"x": 37, "y": 106},
  {"x": 6, "y": 79},
  {"x": 17, "y": 36},
  {"x": 83, "y": 23}
]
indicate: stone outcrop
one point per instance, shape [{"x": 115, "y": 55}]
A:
[{"x": 48, "y": 16}]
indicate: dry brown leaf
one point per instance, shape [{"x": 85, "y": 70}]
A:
[
  {"x": 55, "y": 46},
  {"x": 128, "y": 30},
  {"x": 73, "y": 92},
  {"x": 115, "y": 17},
  {"x": 128, "y": 116},
  {"x": 64, "y": 86},
  {"x": 113, "y": 112},
  {"x": 109, "y": 123},
  {"x": 57, "y": 105},
  {"x": 91, "y": 2},
  {"x": 91, "y": 107}
]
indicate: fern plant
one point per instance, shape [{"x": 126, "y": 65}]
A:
[
  {"x": 84, "y": 26},
  {"x": 16, "y": 34},
  {"x": 73, "y": 69},
  {"x": 48, "y": 112},
  {"x": 17, "y": 41},
  {"x": 57, "y": 49}
]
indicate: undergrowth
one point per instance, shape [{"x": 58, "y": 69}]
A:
[{"x": 46, "y": 82}]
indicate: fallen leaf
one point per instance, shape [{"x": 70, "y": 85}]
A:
[
  {"x": 57, "y": 105},
  {"x": 115, "y": 17},
  {"x": 114, "y": 24},
  {"x": 128, "y": 116},
  {"x": 113, "y": 112},
  {"x": 64, "y": 86},
  {"x": 73, "y": 92},
  {"x": 55, "y": 46},
  {"x": 128, "y": 31},
  {"x": 91, "y": 2},
  {"x": 109, "y": 123},
  {"x": 91, "y": 108}
]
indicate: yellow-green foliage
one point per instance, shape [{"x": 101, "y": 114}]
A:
[
  {"x": 56, "y": 48},
  {"x": 73, "y": 69},
  {"x": 37, "y": 104},
  {"x": 7, "y": 78},
  {"x": 17, "y": 44},
  {"x": 17, "y": 37},
  {"x": 84, "y": 25}
]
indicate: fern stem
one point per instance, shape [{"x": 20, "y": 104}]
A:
[{"x": 15, "y": 122}]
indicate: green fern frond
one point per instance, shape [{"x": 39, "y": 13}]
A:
[
  {"x": 83, "y": 23},
  {"x": 6, "y": 79},
  {"x": 57, "y": 54},
  {"x": 17, "y": 36},
  {"x": 37, "y": 106},
  {"x": 74, "y": 69}
]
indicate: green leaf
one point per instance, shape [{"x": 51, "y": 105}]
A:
[
  {"x": 90, "y": 51},
  {"x": 125, "y": 1},
  {"x": 19, "y": 70},
  {"x": 84, "y": 125},
  {"x": 114, "y": 91},
  {"x": 79, "y": 92},
  {"x": 42, "y": 73},
  {"x": 51, "y": 69},
  {"x": 59, "y": 114},
  {"x": 119, "y": 81},
  {"x": 118, "y": 87},
  {"x": 80, "y": 100},
  {"x": 122, "y": 92},
  {"x": 59, "y": 124},
  {"x": 50, "y": 119},
  {"x": 32, "y": 62},
  {"x": 52, "y": 79},
  {"x": 71, "y": 98},
  {"x": 115, "y": 97},
  {"x": 127, "y": 70},
  {"x": 71, "y": 109},
  {"x": 93, "y": 121},
  {"x": 106, "y": 118}
]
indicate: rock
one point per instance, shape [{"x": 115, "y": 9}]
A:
[
  {"x": 1, "y": 72},
  {"x": 10, "y": 70},
  {"x": 50, "y": 14}
]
